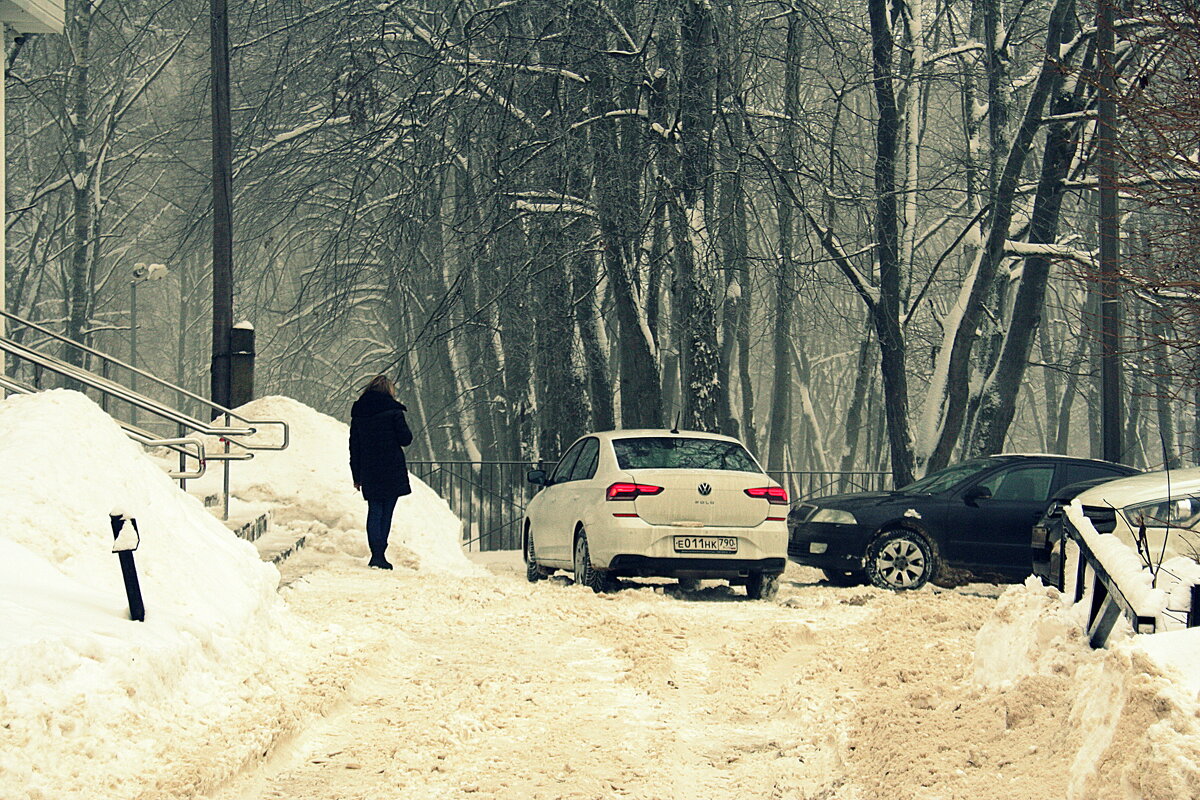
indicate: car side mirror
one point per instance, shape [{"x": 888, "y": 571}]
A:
[
  {"x": 537, "y": 477},
  {"x": 976, "y": 493}
]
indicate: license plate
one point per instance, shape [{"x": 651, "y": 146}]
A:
[
  {"x": 1041, "y": 537},
  {"x": 706, "y": 544}
]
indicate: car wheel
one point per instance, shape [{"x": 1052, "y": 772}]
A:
[
  {"x": 533, "y": 572},
  {"x": 689, "y": 585},
  {"x": 845, "y": 577},
  {"x": 900, "y": 559},
  {"x": 585, "y": 573},
  {"x": 760, "y": 586}
]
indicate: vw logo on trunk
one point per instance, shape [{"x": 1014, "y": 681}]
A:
[{"x": 704, "y": 489}]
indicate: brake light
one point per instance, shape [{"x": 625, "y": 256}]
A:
[
  {"x": 628, "y": 491},
  {"x": 776, "y": 495}
]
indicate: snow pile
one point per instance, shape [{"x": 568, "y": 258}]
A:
[
  {"x": 88, "y": 698},
  {"x": 1134, "y": 716},
  {"x": 311, "y": 480},
  {"x": 1031, "y": 631}
]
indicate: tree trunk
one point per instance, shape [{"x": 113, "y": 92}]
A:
[
  {"x": 80, "y": 296},
  {"x": 1000, "y": 217},
  {"x": 999, "y": 396},
  {"x": 886, "y": 311},
  {"x": 854, "y": 414},
  {"x": 689, "y": 174},
  {"x": 781, "y": 381},
  {"x": 617, "y": 155}
]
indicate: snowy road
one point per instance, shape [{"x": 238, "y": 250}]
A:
[{"x": 490, "y": 687}]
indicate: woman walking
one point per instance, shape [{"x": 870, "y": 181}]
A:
[{"x": 378, "y": 436}]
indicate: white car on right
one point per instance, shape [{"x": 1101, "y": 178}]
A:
[{"x": 1165, "y": 505}]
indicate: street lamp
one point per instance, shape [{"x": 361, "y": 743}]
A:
[{"x": 141, "y": 272}]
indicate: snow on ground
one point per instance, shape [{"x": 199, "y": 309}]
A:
[
  {"x": 451, "y": 677},
  {"x": 88, "y": 698}
]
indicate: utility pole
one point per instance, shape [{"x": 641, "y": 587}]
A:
[
  {"x": 222, "y": 183},
  {"x": 1110, "y": 238}
]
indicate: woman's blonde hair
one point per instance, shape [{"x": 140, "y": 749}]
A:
[{"x": 381, "y": 383}]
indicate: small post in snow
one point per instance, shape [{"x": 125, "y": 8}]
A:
[{"x": 126, "y": 539}]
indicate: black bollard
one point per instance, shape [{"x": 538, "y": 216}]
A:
[{"x": 137, "y": 611}]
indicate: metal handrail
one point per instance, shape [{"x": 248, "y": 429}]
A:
[
  {"x": 175, "y": 444},
  {"x": 252, "y": 424},
  {"x": 142, "y": 437},
  {"x": 120, "y": 392},
  {"x": 1108, "y": 599}
]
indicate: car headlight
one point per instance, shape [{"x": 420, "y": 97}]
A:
[
  {"x": 1181, "y": 513},
  {"x": 833, "y": 515}
]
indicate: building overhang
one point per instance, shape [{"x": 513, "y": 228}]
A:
[{"x": 33, "y": 16}]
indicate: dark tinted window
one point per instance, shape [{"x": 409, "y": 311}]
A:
[
  {"x": 669, "y": 452},
  {"x": 1021, "y": 483},
  {"x": 943, "y": 479},
  {"x": 563, "y": 470},
  {"x": 585, "y": 467},
  {"x": 1086, "y": 472}
]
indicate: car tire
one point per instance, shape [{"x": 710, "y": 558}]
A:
[
  {"x": 845, "y": 577},
  {"x": 761, "y": 586},
  {"x": 689, "y": 585},
  {"x": 900, "y": 560},
  {"x": 585, "y": 573},
  {"x": 533, "y": 572}
]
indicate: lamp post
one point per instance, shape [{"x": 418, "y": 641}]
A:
[{"x": 141, "y": 272}]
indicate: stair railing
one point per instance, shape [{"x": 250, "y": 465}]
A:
[
  {"x": 186, "y": 448},
  {"x": 108, "y": 386},
  {"x": 239, "y": 436}
]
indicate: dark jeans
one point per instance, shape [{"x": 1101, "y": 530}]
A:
[{"x": 379, "y": 524}]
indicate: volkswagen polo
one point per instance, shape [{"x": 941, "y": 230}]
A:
[{"x": 657, "y": 503}]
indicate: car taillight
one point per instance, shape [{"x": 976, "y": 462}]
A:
[
  {"x": 775, "y": 495},
  {"x": 628, "y": 491}
]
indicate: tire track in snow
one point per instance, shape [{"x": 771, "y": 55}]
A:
[{"x": 491, "y": 687}]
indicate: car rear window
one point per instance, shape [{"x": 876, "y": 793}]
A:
[{"x": 669, "y": 452}]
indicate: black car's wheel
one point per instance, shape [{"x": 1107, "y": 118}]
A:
[
  {"x": 845, "y": 577},
  {"x": 900, "y": 559},
  {"x": 585, "y": 573},
  {"x": 761, "y": 586},
  {"x": 533, "y": 572}
]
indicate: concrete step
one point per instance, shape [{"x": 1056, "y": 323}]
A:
[{"x": 255, "y": 526}]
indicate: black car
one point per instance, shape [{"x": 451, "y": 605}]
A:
[
  {"x": 975, "y": 516},
  {"x": 1048, "y": 533}
]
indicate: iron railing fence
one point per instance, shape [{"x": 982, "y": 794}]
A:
[
  {"x": 805, "y": 485},
  {"x": 490, "y": 496}
]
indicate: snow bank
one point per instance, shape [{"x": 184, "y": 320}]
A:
[
  {"x": 1134, "y": 716},
  {"x": 1031, "y": 631},
  {"x": 311, "y": 480},
  {"x": 89, "y": 698}
]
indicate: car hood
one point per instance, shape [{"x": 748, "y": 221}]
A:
[{"x": 1142, "y": 488}]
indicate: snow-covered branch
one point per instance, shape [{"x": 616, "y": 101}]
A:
[{"x": 1055, "y": 251}]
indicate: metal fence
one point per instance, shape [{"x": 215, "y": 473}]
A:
[
  {"x": 807, "y": 485},
  {"x": 490, "y": 496}
]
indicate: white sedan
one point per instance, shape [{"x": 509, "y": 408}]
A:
[{"x": 642, "y": 503}]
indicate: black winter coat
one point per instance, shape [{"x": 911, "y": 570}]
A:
[{"x": 378, "y": 433}]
